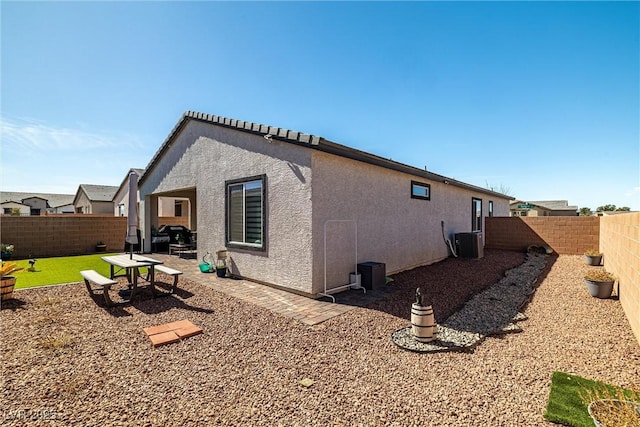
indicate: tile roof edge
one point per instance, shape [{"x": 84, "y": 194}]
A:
[{"x": 312, "y": 141}]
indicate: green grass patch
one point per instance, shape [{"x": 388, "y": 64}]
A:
[
  {"x": 565, "y": 404},
  {"x": 56, "y": 270}
]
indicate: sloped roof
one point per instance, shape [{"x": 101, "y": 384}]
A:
[
  {"x": 303, "y": 139},
  {"x": 98, "y": 193},
  {"x": 12, "y": 201},
  {"x": 125, "y": 181},
  {"x": 53, "y": 200}
]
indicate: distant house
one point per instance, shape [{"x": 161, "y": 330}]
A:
[
  {"x": 542, "y": 208},
  {"x": 94, "y": 199},
  {"x": 298, "y": 211},
  {"x": 38, "y": 203},
  {"x": 171, "y": 210},
  {"x": 121, "y": 197},
  {"x": 10, "y": 207}
]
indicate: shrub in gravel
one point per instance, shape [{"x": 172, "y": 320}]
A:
[{"x": 599, "y": 276}]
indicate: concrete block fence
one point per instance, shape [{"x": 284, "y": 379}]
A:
[
  {"x": 616, "y": 236},
  {"x": 62, "y": 235},
  {"x": 620, "y": 244},
  {"x": 565, "y": 235}
]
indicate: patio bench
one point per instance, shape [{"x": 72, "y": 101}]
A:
[
  {"x": 169, "y": 272},
  {"x": 92, "y": 276}
]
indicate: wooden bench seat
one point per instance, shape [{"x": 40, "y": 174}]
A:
[
  {"x": 93, "y": 277},
  {"x": 169, "y": 272}
]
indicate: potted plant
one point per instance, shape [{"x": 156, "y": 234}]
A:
[
  {"x": 101, "y": 247},
  {"x": 6, "y": 251},
  {"x": 221, "y": 268},
  {"x": 613, "y": 406},
  {"x": 599, "y": 283},
  {"x": 7, "y": 281},
  {"x": 593, "y": 257}
]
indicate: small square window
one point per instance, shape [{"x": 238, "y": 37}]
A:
[{"x": 420, "y": 190}]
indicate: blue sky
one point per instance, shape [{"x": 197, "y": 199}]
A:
[{"x": 540, "y": 98}]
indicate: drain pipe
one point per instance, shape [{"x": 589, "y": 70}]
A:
[{"x": 447, "y": 241}]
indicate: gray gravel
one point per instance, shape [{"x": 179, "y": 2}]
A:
[
  {"x": 67, "y": 361},
  {"x": 492, "y": 311}
]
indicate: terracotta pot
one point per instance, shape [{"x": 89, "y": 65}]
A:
[{"x": 7, "y": 284}]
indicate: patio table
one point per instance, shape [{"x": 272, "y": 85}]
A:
[
  {"x": 177, "y": 247},
  {"x": 132, "y": 266}
]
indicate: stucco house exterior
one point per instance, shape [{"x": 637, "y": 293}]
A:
[
  {"x": 121, "y": 197},
  {"x": 298, "y": 211},
  {"x": 94, "y": 199},
  {"x": 10, "y": 207},
  {"x": 37, "y": 203}
]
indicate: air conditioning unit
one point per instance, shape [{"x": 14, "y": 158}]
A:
[{"x": 469, "y": 245}]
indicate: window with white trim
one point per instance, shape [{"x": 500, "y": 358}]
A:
[{"x": 245, "y": 213}]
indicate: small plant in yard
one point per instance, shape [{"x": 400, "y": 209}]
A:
[
  {"x": 613, "y": 406},
  {"x": 592, "y": 252},
  {"x": 57, "y": 342},
  {"x": 599, "y": 276},
  {"x": 6, "y": 249}
]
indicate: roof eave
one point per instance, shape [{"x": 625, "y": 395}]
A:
[{"x": 310, "y": 141}]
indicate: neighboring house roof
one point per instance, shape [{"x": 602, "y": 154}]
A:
[
  {"x": 310, "y": 141},
  {"x": 13, "y": 202},
  {"x": 97, "y": 193},
  {"x": 54, "y": 200},
  {"x": 553, "y": 205}
]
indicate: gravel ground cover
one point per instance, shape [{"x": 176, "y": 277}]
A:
[{"x": 67, "y": 361}]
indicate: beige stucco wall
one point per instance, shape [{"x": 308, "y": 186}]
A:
[
  {"x": 102, "y": 208},
  {"x": 36, "y": 203},
  {"x": 83, "y": 204},
  {"x": 205, "y": 156},
  {"x": 304, "y": 189},
  {"x": 392, "y": 227},
  {"x": 122, "y": 198}
]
